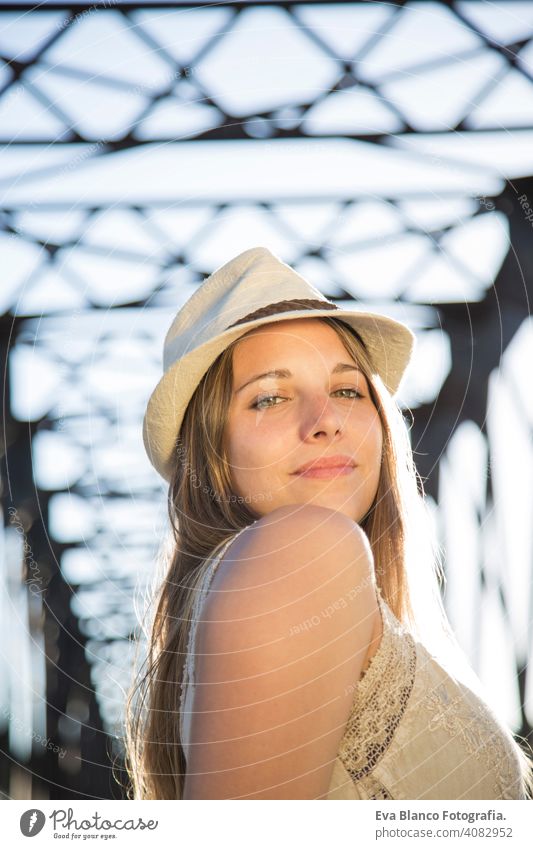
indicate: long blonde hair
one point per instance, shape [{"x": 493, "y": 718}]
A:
[{"x": 204, "y": 512}]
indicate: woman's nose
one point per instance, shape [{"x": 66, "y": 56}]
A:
[{"x": 320, "y": 414}]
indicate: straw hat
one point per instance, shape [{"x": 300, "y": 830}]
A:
[{"x": 228, "y": 304}]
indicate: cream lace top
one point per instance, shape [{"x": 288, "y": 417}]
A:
[{"x": 413, "y": 732}]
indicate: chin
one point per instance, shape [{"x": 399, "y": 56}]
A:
[{"x": 351, "y": 510}]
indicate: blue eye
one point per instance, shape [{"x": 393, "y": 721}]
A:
[
  {"x": 263, "y": 398},
  {"x": 350, "y": 389}
]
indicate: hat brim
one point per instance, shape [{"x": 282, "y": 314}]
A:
[{"x": 390, "y": 344}]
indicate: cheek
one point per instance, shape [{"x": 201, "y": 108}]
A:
[
  {"x": 231, "y": 444},
  {"x": 252, "y": 445},
  {"x": 379, "y": 441},
  {"x": 372, "y": 440},
  {"x": 257, "y": 432}
]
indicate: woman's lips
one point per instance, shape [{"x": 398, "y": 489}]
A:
[
  {"x": 322, "y": 472},
  {"x": 324, "y": 468}
]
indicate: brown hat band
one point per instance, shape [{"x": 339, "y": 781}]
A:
[{"x": 285, "y": 306}]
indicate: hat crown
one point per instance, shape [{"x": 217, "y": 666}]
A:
[{"x": 235, "y": 289}]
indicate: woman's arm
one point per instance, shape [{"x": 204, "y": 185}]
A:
[{"x": 284, "y": 634}]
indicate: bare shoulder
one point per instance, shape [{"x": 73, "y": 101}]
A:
[
  {"x": 283, "y": 639},
  {"x": 294, "y": 546}
]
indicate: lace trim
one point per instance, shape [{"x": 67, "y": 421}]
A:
[
  {"x": 481, "y": 737},
  {"x": 381, "y": 697},
  {"x": 376, "y": 790}
]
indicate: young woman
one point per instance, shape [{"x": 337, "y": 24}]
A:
[{"x": 299, "y": 648}]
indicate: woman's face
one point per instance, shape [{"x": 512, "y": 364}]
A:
[{"x": 319, "y": 408}]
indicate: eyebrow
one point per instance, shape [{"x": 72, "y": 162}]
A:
[{"x": 284, "y": 373}]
